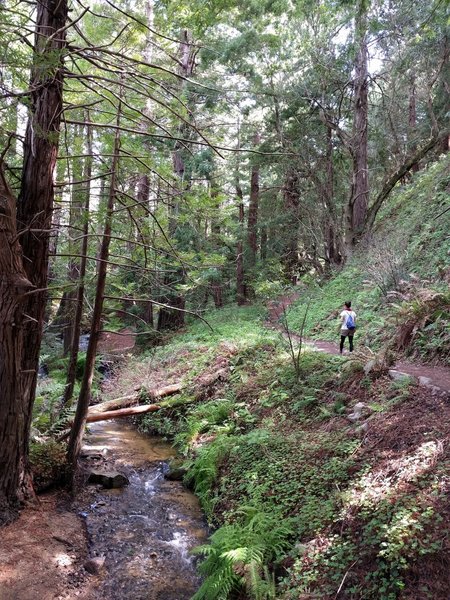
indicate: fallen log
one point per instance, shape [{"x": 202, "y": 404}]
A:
[
  {"x": 125, "y": 401},
  {"x": 117, "y": 403},
  {"x": 123, "y": 412},
  {"x": 126, "y": 405}
]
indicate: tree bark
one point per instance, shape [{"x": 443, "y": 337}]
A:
[
  {"x": 241, "y": 290},
  {"x": 253, "y": 207},
  {"x": 333, "y": 254},
  {"x": 13, "y": 284},
  {"x": 291, "y": 197},
  {"x": 125, "y": 401},
  {"x": 76, "y": 435},
  {"x": 76, "y": 329},
  {"x": 35, "y": 203},
  {"x": 359, "y": 197},
  {"x": 122, "y": 412},
  {"x": 75, "y": 222}
]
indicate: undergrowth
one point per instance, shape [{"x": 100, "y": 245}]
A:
[
  {"x": 389, "y": 270},
  {"x": 285, "y": 478}
]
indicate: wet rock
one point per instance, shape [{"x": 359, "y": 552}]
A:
[
  {"x": 108, "y": 480},
  {"x": 94, "y": 565},
  {"x": 89, "y": 454},
  {"x": 176, "y": 471}
]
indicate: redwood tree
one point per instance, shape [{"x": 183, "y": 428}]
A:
[
  {"x": 13, "y": 285},
  {"x": 359, "y": 196},
  {"x": 20, "y": 355}
]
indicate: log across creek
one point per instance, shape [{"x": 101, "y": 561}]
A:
[{"x": 126, "y": 406}]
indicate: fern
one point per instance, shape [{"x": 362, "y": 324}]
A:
[
  {"x": 239, "y": 554},
  {"x": 65, "y": 416},
  {"x": 206, "y": 417},
  {"x": 203, "y": 471}
]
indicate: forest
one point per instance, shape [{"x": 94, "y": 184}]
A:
[{"x": 189, "y": 193}]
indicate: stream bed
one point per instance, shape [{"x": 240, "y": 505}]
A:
[{"x": 144, "y": 531}]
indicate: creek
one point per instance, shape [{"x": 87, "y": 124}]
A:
[{"x": 145, "y": 531}]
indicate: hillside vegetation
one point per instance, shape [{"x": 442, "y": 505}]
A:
[
  {"x": 398, "y": 281},
  {"x": 310, "y": 493},
  {"x": 325, "y": 477},
  {"x": 296, "y": 491}
]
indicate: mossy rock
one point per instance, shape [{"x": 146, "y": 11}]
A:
[{"x": 176, "y": 471}]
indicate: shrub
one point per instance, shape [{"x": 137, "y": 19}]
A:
[
  {"x": 422, "y": 326},
  {"x": 49, "y": 464},
  {"x": 239, "y": 555}
]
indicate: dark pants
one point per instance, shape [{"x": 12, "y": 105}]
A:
[{"x": 350, "y": 341}]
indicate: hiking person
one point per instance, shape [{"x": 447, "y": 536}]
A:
[{"x": 348, "y": 326}]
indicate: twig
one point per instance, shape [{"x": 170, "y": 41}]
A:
[{"x": 345, "y": 577}]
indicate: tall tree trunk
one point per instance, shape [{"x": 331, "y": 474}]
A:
[
  {"x": 76, "y": 329},
  {"x": 35, "y": 203},
  {"x": 241, "y": 289},
  {"x": 359, "y": 197},
  {"x": 76, "y": 434},
  {"x": 172, "y": 318},
  {"x": 333, "y": 255},
  {"x": 253, "y": 207},
  {"x": 13, "y": 284},
  {"x": 291, "y": 197},
  {"x": 216, "y": 244},
  {"x": 412, "y": 118},
  {"x": 75, "y": 223}
]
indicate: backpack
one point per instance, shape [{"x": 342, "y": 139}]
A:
[{"x": 350, "y": 322}]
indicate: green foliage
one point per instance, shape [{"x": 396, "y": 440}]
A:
[
  {"x": 203, "y": 471},
  {"x": 327, "y": 302},
  {"x": 47, "y": 404},
  {"x": 48, "y": 463},
  {"x": 387, "y": 265},
  {"x": 385, "y": 539},
  {"x": 423, "y": 326},
  {"x": 211, "y": 417},
  {"x": 417, "y": 207},
  {"x": 294, "y": 475},
  {"x": 238, "y": 555},
  {"x": 229, "y": 323}
]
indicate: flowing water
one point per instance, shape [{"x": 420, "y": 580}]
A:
[{"x": 146, "y": 530}]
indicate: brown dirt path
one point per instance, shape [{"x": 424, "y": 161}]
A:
[
  {"x": 111, "y": 342},
  {"x": 43, "y": 552},
  {"x": 434, "y": 377}
]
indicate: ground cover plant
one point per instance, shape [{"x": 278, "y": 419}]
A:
[{"x": 361, "y": 505}]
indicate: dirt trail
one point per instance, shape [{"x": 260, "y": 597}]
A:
[
  {"x": 42, "y": 554},
  {"x": 435, "y": 378}
]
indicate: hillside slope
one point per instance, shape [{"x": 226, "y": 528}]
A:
[
  {"x": 322, "y": 476},
  {"x": 398, "y": 282},
  {"x": 335, "y": 480}
]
